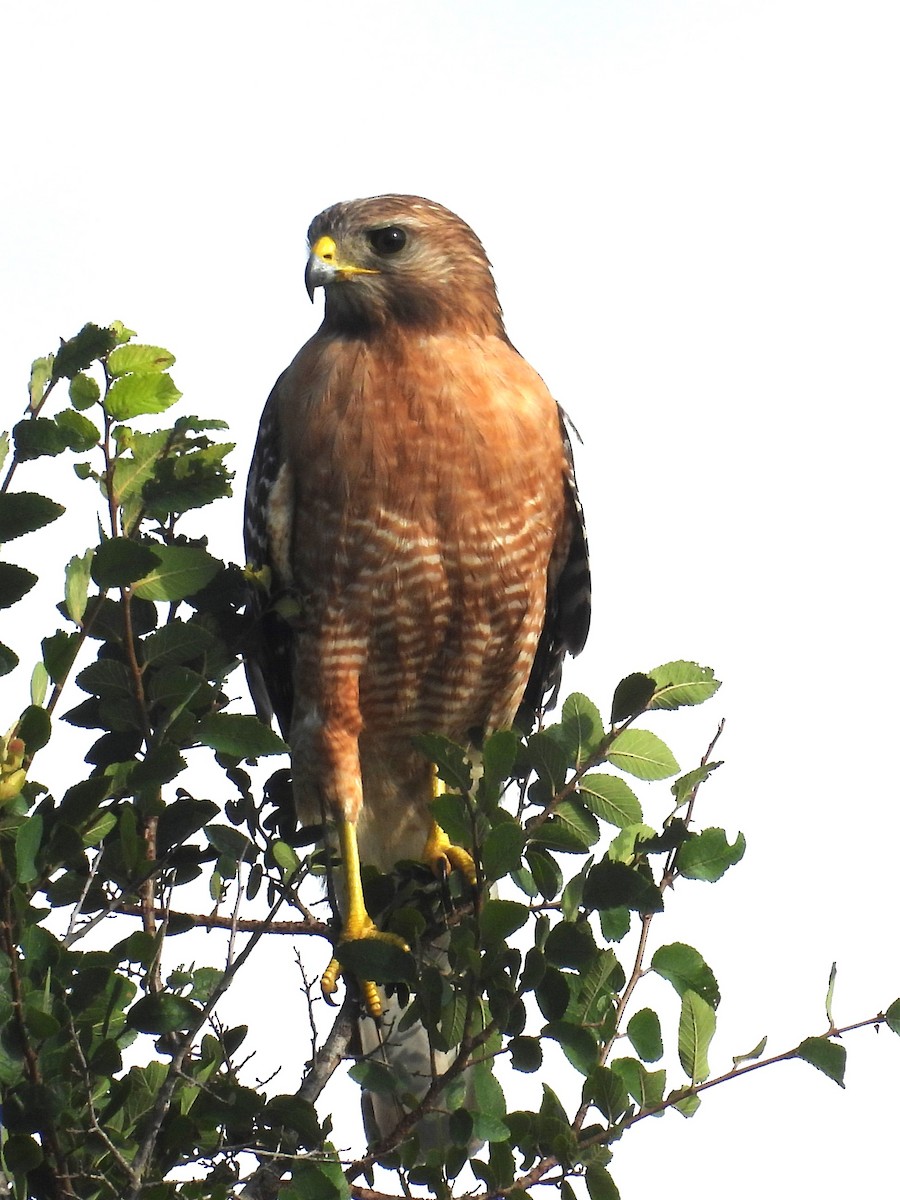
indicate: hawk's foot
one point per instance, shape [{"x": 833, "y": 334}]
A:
[
  {"x": 443, "y": 857},
  {"x": 353, "y": 932}
]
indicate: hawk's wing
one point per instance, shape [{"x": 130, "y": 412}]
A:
[
  {"x": 568, "y": 614},
  {"x": 267, "y": 657}
]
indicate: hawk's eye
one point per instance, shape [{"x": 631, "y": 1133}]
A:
[{"x": 388, "y": 240}]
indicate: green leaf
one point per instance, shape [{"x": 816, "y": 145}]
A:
[
  {"x": 452, "y": 815},
  {"x": 453, "y": 766},
  {"x": 685, "y": 969},
  {"x": 502, "y": 850},
  {"x": 81, "y": 434},
  {"x": 548, "y": 759},
  {"x": 315, "y": 1180},
  {"x": 119, "y": 561},
  {"x": 15, "y": 582},
  {"x": 286, "y": 857},
  {"x": 59, "y": 652},
  {"x": 605, "y": 1089},
  {"x": 526, "y": 1053},
  {"x": 90, "y": 343},
  {"x": 176, "y": 643},
  {"x": 183, "y": 571},
  {"x": 617, "y": 885},
  {"x": 571, "y": 944},
  {"x": 581, "y": 727},
  {"x": 646, "y": 1087},
  {"x": 83, "y": 391},
  {"x": 578, "y": 1044},
  {"x": 687, "y": 1105},
  {"x": 28, "y": 843},
  {"x": 829, "y": 995},
  {"x": 892, "y": 1017},
  {"x": 708, "y": 855},
  {"x": 545, "y": 871},
  {"x": 645, "y": 1035},
  {"x": 41, "y": 374},
  {"x": 683, "y": 788},
  {"x": 78, "y": 573},
  {"x": 9, "y": 660},
  {"x": 679, "y": 683},
  {"x": 133, "y": 357},
  {"x": 695, "y": 1032},
  {"x": 239, "y": 735},
  {"x": 23, "y": 512},
  {"x": 162, "y": 1012},
  {"x": 615, "y": 923},
  {"x": 375, "y": 1077},
  {"x": 552, "y": 994},
  {"x": 632, "y": 695},
  {"x": 755, "y": 1053},
  {"x": 571, "y": 829},
  {"x": 600, "y": 1185},
  {"x": 611, "y": 799},
  {"x": 231, "y": 842},
  {"x": 38, "y": 437},
  {"x": 34, "y": 728},
  {"x": 501, "y": 918},
  {"x": 641, "y": 753},
  {"x": 498, "y": 757},
  {"x": 98, "y": 831},
  {"x": 826, "y": 1055},
  {"x": 39, "y": 683},
  {"x": 382, "y": 961},
  {"x": 139, "y": 393}
]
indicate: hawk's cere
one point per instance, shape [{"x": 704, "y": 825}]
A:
[{"x": 412, "y": 495}]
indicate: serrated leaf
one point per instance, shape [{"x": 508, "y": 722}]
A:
[
  {"x": 162, "y": 1012},
  {"x": 38, "y": 437},
  {"x": 695, "y": 1032},
  {"x": 829, "y": 995},
  {"x": 119, "y": 561},
  {"x": 9, "y": 660},
  {"x": 581, "y": 727},
  {"x": 708, "y": 855},
  {"x": 687, "y": 1104},
  {"x": 139, "y": 393},
  {"x": 646, "y": 1087},
  {"x": 176, "y": 643},
  {"x": 825, "y": 1055},
  {"x": 600, "y": 1184},
  {"x": 571, "y": 829},
  {"x": 578, "y": 1044},
  {"x": 183, "y": 571},
  {"x": 238, "y": 735},
  {"x": 498, "y": 757},
  {"x": 78, "y": 574},
  {"x": 502, "y": 850},
  {"x": 622, "y": 847},
  {"x": 548, "y": 759},
  {"x": 78, "y": 352},
  {"x": 452, "y": 764},
  {"x": 15, "y": 582},
  {"x": 24, "y": 512},
  {"x": 134, "y": 357},
  {"x": 452, "y": 815},
  {"x": 501, "y": 918},
  {"x": 526, "y": 1053},
  {"x": 683, "y": 788},
  {"x": 679, "y": 683},
  {"x": 41, "y": 374},
  {"x": 611, "y": 799},
  {"x": 231, "y": 842},
  {"x": 632, "y": 695},
  {"x": 545, "y": 871},
  {"x": 753, "y": 1054},
  {"x": 607, "y": 1091},
  {"x": 617, "y": 885},
  {"x": 375, "y": 1077},
  {"x": 83, "y": 391},
  {"x": 286, "y": 857},
  {"x": 382, "y": 961},
  {"x": 892, "y": 1017},
  {"x": 685, "y": 968},
  {"x": 81, "y": 434},
  {"x": 641, "y": 753},
  {"x": 645, "y": 1035},
  {"x": 34, "y": 728},
  {"x": 95, "y": 834},
  {"x": 28, "y": 843}
]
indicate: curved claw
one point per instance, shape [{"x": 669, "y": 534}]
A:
[
  {"x": 370, "y": 994},
  {"x": 443, "y": 857}
]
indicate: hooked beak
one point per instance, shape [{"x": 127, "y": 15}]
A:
[{"x": 323, "y": 267}]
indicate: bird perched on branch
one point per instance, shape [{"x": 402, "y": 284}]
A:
[{"x": 413, "y": 499}]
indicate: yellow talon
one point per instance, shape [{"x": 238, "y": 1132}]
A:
[
  {"x": 358, "y": 924},
  {"x": 440, "y": 853}
]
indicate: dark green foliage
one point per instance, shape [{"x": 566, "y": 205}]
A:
[{"x": 151, "y": 624}]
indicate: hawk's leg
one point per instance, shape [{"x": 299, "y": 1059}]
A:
[
  {"x": 440, "y": 853},
  {"x": 357, "y": 922}
]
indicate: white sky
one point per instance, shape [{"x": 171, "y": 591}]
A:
[{"x": 692, "y": 210}]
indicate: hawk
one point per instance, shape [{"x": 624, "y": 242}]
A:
[{"x": 413, "y": 498}]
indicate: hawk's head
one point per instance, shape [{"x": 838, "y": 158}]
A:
[{"x": 400, "y": 260}]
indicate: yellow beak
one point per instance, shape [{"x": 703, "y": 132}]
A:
[{"x": 324, "y": 267}]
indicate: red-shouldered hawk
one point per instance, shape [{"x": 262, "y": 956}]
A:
[{"x": 412, "y": 494}]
